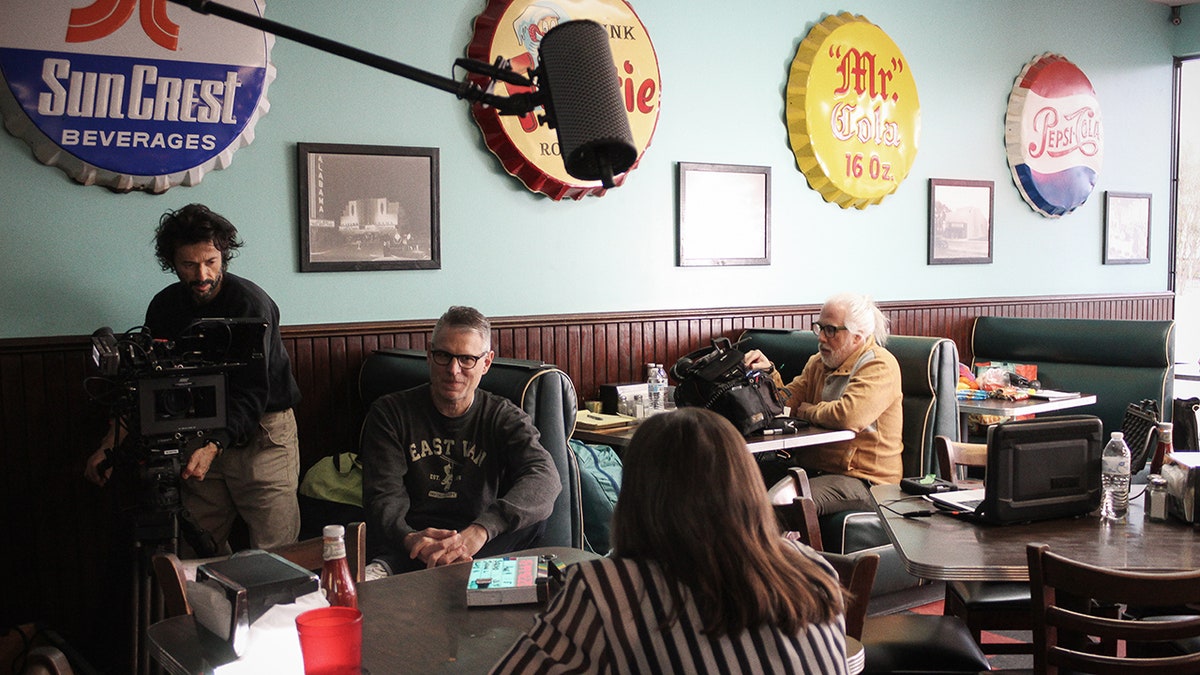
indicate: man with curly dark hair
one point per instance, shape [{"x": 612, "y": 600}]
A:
[{"x": 251, "y": 467}]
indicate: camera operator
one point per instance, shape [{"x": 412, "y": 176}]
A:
[{"x": 251, "y": 467}]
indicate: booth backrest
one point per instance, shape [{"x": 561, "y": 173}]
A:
[
  {"x": 928, "y": 377},
  {"x": 543, "y": 391},
  {"x": 1121, "y": 362}
]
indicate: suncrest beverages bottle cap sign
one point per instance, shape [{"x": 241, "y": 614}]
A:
[
  {"x": 123, "y": 94},
  {"x": 1054, "y": 135}
]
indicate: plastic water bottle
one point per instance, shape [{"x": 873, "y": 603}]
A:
[
  {"x": 663, "y": 386},
  {"x": 656, "y": 384},
  {"x": 1114, "y": 479}
]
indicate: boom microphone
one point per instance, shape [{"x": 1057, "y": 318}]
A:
[
  {"x": 582, "y": 99},
  {"x": 577, "y": 85}
]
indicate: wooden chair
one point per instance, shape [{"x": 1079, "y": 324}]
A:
[
  {"x": 984, "y": 605},
  {"x": 954, "y": 459},
  {"x": 856, "y": 573},
  {"x": 795, "y": 509},
  {"x": 896, "y": 643},
  {"x": 1069, "y": 637},
  {"x": 308, "y": 553},
  {"x": 47, "y": 660},
  {"x": 171, "y": 573}
]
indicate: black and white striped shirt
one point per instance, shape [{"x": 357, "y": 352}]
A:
[{"x": 607, "y": 617}]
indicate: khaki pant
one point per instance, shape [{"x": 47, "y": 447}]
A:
[
  {"x": 257, "y": 481},
  {"x": 834, "y": 493}
]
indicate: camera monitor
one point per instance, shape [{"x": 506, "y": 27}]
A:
[
  {"x": 225, "y": 341},
  {"x": 170, "y": 403}
]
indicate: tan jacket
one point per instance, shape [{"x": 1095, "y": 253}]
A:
[{"x": 862, "y": 395}]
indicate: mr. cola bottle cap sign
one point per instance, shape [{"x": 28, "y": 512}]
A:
[
  {"x": 132, "y": 94},
  {"x": 1054, "y": 135},
  {"x": 853, "y": 113}
]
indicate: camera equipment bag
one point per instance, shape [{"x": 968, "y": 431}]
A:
[
  {"x": 1139, "y": 426},
  {"x": 714, "y": 378},
  {"x": 1186, "y": 432}
]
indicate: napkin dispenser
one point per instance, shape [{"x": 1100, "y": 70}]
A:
[
  {"x": 1182, "y": 471},
  {"x": 229, "y": 595}
]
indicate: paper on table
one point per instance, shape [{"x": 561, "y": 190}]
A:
[
  {"x": 590, "y": 420},
  {"x": 274, "y": 644},
  {"x": 1052, "y": 394}
]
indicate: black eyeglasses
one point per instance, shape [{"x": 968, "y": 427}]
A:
[
  {"x": 465, "y": 361},
  {"x": 829, "y": 331}
]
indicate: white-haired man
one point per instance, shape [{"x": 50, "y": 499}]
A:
[{"x": 851, "y": 383}]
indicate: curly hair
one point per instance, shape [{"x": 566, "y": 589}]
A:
[{"x": 193, "y": 224}]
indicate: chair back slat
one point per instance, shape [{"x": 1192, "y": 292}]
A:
[{"x": 954, "y": 457}]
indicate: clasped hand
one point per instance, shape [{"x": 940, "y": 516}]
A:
[{"x": 436, "y": 547}]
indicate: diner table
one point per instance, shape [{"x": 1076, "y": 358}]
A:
[
  {"x": 945, "y": 547},
  {"x": 412, "y": 623},
  {"x": 1027, "y": 406},
  {"x": 755, "y": 443}
]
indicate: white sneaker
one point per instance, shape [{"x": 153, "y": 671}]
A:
[{"x": 374, "y": 571}]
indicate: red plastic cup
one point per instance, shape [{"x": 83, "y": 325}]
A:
[{"x": 331, "y": 641}]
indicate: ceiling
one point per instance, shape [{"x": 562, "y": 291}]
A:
[{"x": 1175, "y": 3}]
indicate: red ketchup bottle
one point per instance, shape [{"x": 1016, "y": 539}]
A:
[
  {"x": 1162, "y": 448},
  {"x": 336, "y": 581}
]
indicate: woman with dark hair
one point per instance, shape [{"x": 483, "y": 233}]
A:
[{"x": 699, "y": 578}]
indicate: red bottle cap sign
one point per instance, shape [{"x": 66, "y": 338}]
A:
[{"x": 512, "y": 30}]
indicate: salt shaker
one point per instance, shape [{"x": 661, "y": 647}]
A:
[{"x": 1156, "y": 498}]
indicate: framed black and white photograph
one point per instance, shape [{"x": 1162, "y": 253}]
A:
[
  {"x": 368, "y": 207},
  {"x": 1126, "y": 228},
  {"x": 960, "y": 221},
  {"x": 724, "y": 215}
]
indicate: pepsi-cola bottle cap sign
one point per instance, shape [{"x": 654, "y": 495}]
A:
[{"x": 1054, "y": 135}]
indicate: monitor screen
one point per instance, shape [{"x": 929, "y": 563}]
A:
[
  {"x": 172, "y": 404},
  {"x": 1044, "y": 468},
  {"x": 224, "y": 341}
]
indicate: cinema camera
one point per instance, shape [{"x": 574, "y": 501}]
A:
[{"x": 166, "y": 397}]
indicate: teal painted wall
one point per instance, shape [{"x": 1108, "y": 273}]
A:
[
  {"x": 1187, "y": 33},
  {"x": 73, "y": 257}
]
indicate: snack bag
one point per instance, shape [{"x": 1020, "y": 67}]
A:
[{"x": 966, "y": 380}]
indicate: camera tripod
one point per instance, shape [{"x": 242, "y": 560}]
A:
[{"x": 153, "y": 518}]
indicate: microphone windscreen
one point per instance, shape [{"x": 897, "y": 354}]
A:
[{"x": 583, "y": 101}]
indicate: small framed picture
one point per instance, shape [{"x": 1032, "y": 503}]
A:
[
  {"x": 1126, "y": 228},
  {"x": 724, "y": 215},
  {"x": 368, "y": 207},
  {"x": 960, "y": 221}
]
